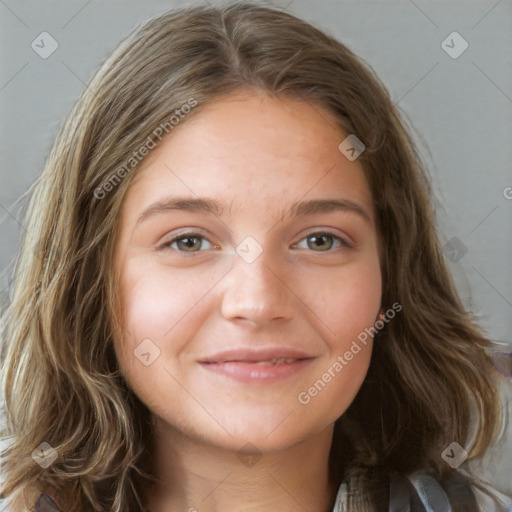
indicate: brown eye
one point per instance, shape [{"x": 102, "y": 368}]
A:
[
  {"x": 188, "y": 242},
  {"x": 323, "y": 242}
]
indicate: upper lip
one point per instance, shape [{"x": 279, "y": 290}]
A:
[{"x": 256, "y": 355}]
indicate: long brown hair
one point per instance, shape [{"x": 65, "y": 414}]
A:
[{"x": 429, "y": 374}]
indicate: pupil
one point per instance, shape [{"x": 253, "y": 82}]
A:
[
  {"x": 317, "y": 240},
  {"x": 190, "y": 242}
]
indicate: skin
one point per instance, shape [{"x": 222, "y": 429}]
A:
[{"x": 256, "y": 155}]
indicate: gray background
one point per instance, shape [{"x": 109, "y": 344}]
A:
[{"x": 460, "y": 109}]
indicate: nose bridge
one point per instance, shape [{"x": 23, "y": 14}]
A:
[{"x": 255, "y": 288}]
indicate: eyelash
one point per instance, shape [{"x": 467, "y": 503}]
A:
[{"x": 343, "y": 243}]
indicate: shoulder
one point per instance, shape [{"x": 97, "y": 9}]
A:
[{"x": 421, "y": 492}]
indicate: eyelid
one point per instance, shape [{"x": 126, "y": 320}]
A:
[
  {"x": 185, "y": 234},
  {"x": 345, "y": 242}
]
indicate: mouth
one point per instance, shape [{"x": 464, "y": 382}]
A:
[
  {"x": 273, "y": 361},
  {"x": 265, "y": 355},
  {"x": 252, "y": 366}
]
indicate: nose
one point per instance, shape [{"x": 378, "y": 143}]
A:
[{"x": 258, "y": 292}]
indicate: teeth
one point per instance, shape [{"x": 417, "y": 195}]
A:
[{"x": 276, "y": 361}]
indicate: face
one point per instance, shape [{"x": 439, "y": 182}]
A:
[{"x": 247, "y": 262}]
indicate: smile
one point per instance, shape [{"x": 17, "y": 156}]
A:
[{"x": 271, "y": 370}]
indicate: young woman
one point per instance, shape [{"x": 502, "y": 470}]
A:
[{"x": 230, "y": 294}]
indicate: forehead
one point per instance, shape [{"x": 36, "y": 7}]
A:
[
  {"x": 235, "y": 121},
  {"x": 252, "y": 145}
]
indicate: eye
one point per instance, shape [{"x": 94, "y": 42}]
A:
[
  {"x": 323, "y": 242},
  {"x": 194, "y": 242},
  {"x": 186, "y": 242}
]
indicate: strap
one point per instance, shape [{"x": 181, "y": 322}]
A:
[
  {"x": 460, "y": 493},
  {"x": 45, "y": 503},
  {"x": 400, "y": 492},
  {"x": 430, "y": 492},
  {"x": 341, "y": 499},
  {"x": 423, "y": 493}
]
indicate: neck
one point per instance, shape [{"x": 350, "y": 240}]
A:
[{"x": 199, "y": 477}]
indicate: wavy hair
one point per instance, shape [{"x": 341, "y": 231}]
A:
[{"x": 429, "y": 376}]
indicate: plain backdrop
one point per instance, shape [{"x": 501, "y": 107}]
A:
[{"x": 460, "y": 108}]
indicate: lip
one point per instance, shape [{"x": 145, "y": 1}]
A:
[
  {"x": 251, "y": 365},
  {"x": 253, "y": 355}
]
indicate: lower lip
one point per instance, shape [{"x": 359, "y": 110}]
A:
[{"x": 251, "y": 372}]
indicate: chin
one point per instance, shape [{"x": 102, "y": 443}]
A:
[{"x": 273, "y": 436}]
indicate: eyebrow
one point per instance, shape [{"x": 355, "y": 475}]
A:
[{"x": 211, "y": 206}]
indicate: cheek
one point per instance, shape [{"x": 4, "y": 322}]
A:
[
  {"x": 349, "y": 310},
  {"x": 154, "y": 300},
  {"x": 162, "y": 305},
  {"x": 350, "y": 302},
  {"x": 154, "y": 304}
]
